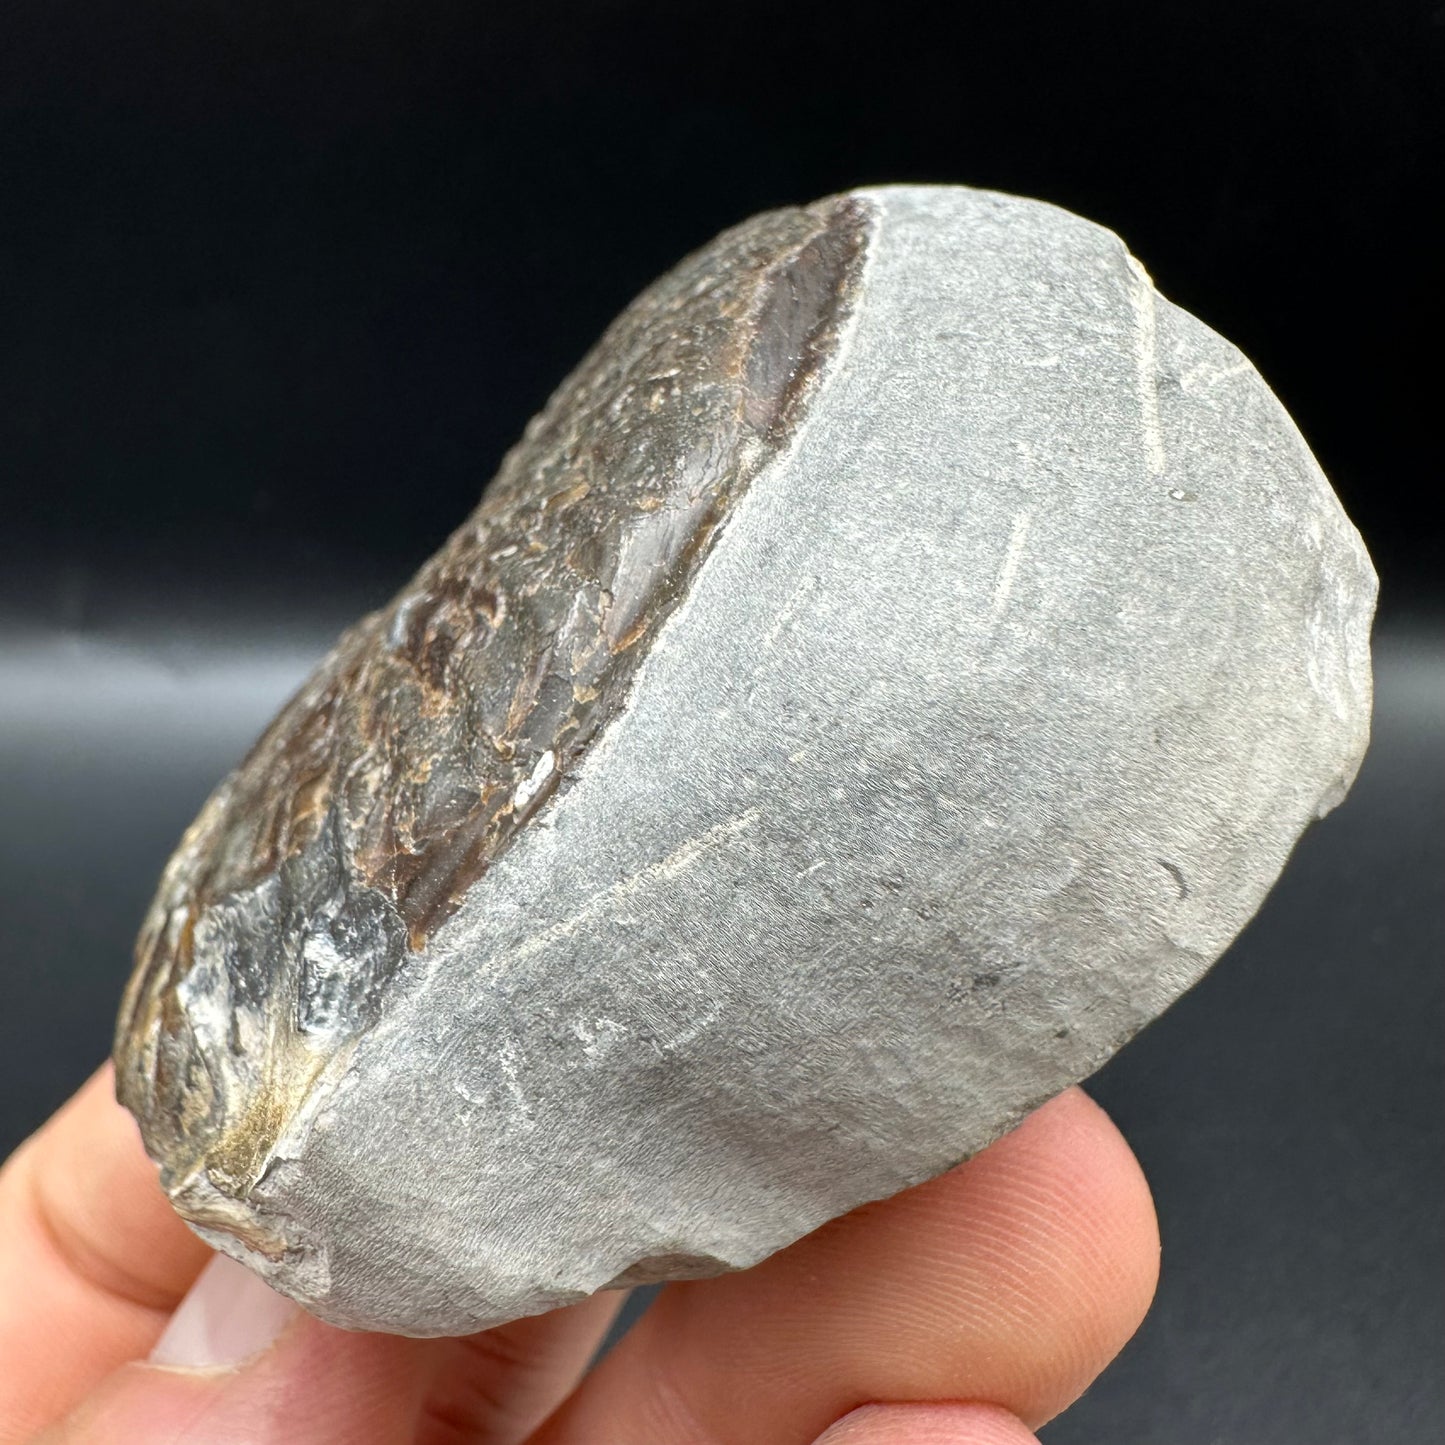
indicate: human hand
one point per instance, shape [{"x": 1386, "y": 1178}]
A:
[{"x": 966, "y": 1311}]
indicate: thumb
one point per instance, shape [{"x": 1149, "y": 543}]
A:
[{"x": 240, "y": 1365}]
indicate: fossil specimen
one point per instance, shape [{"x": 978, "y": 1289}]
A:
[{"x": 890, "y": 670}]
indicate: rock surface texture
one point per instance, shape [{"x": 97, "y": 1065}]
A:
[{"x": 891, "y": 670}]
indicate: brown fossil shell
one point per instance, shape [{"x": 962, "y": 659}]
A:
[{"x": 439, "y": 725}]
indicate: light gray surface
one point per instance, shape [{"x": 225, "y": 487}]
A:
[{"x": 987, "y": 724}]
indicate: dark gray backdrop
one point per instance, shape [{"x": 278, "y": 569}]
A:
[{"x": 279, "y": 283}]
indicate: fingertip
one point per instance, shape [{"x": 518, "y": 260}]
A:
[
  {"x": 1012, "y": 1279},
  {"x": 1116, "y": 1228},
  {"x": 1065, "y": 1225},
  {"x": 934, "y": 1424}
]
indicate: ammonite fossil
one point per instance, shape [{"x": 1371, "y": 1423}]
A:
[{"x": 890, "y": 670}]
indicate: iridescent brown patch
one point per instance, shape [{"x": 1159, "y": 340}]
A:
[{"x": 441, "y": 724}]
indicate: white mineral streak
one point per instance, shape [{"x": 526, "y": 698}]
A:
[
  {"x": 987, "y": 724},
  {"x": 1147, "y": 363}
]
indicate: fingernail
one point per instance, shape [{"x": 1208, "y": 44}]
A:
[{"x": 229, "y": 1316}]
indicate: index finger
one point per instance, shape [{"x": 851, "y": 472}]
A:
[{"x": 92, "y": 1258}]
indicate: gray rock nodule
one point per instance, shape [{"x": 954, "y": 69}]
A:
[{"x": 891, "y": 669}]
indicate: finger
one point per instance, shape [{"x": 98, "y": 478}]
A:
[
  {"x": 928, "y": 1425},
  {"x": 498, "y": 1386},
  {"x": 92, "y": 1258},
  {"x": 239, "y": 1363},
  {"x": 1011, "y": 1280}
]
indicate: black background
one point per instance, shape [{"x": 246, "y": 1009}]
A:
[{"x": 279, "y": 283}]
